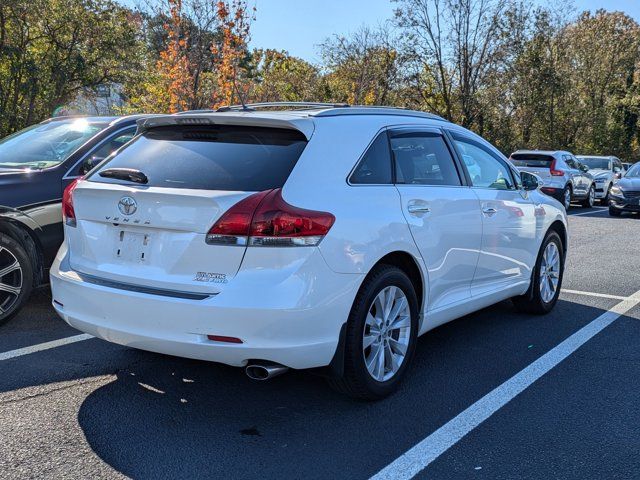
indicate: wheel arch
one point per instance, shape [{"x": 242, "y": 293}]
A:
[
  {"x": 29, "y": 240},
  {"x": 560, "y": 228},
  {"x": 409, "y": 265}
]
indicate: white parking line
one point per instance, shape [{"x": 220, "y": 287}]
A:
[
  {"x": 593, "y": 294},
  {"x": 418, "y": 457},
  {"x": 597, "y": 210},
  {"x": 44, "y": 346}
]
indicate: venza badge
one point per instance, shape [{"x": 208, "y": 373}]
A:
[{"x": 127, "y": 206}]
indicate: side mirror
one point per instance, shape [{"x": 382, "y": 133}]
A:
[
  {"x": 530, "y": 181},
  {"x": 88, "y": 164}
]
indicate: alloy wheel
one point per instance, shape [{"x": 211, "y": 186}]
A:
[
  {"x": 592, "y": 196},
  {"x": 10, "y": 280},
  {"x": 567, "y": 198},
  {"x": 387, "y": 332},
  {"x": 549, "y": 272}
]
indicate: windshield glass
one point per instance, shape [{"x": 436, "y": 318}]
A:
[
  {"x": 46, "y": 145},
  {"x": 596, "y": 163},
  {"x": 634, "y": 171}
]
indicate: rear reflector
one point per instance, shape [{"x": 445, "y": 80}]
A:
[
  {"x": 265, "y": 219},
  {"x": 220, "y": 338}
]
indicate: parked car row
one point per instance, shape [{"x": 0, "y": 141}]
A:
[
  {"x": 570, "y": 178},
  {"x": 277, "y": 236}
]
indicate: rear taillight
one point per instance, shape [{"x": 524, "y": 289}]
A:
[
  {"x": 68, "y": 212},
  {"x": 554, "y": 172},
  {"x": 265, "y": 219},
  {"x": 234, "y": 226}
]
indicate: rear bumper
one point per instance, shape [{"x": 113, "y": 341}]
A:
[
  {"x": 292, "y": 318},
  {"x": 557, "y": 193}
]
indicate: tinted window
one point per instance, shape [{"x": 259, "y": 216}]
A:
[
  {"x": 423, "y": 158},
  {"x": 617, "y": 165},
  {"x": 484, "y": 167},
  {"x": 114, "y": 143},
  {"x": 531, "y": 160},
  {"x": 375, "y": 166},
  {"x": 220, "y": 157}
]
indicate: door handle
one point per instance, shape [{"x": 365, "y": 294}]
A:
[
  {"x": 489, "y": 211},
  {"x": 418, "y": 209}
]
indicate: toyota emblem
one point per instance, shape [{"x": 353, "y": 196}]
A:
[{"x": 127, "y": 206}]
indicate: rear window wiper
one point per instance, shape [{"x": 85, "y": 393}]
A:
[{"x": 130, "y": 174}]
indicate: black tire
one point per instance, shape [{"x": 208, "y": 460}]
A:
[
  {"x": 356, "y": 380},
  {"x": 589, "y": 202},
  {"x": 532, "y": 302},
  {"x": 10, "y": 305},
  {"x": 614, "y": 212},
  {"x": 568, "y": 189},
  {"x": 605, "y": 200}
]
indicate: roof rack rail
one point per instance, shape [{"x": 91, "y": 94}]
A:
[
  {"x": 299, "y": 105},
  {"x": 189, "y": 112}
]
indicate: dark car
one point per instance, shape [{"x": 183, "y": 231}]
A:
[
  {"x": 36, "y": 164},
  {"x": 625, "y": 193}
]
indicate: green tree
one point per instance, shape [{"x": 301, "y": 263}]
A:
[
  {"x": 278, "y": 76},
  {"x": 51, "y": 49}
]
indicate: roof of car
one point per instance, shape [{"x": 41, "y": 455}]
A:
[
  {"x": 292, "y": 115},
  {"x": 597, "y": 156},
  {"x": 544, "y": 152},
  {"x": 316, "y": 109}
]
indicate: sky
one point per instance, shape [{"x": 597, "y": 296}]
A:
[{"x": 299, "y": 26}]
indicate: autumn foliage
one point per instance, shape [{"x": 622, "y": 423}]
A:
[
  {"x": 173, "y": 65},
  {"x": 235, "y": 22}
]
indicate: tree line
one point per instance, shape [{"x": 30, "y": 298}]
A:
[{"x": 521, "y": 75}]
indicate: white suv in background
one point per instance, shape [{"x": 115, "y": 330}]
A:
[
  {"x": 563, "y": 176},
  {"x": 320, "y": 237},
  {"x": 605, "y": 171}
]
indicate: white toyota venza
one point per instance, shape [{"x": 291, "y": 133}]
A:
[{"x": 319, "y": 237}]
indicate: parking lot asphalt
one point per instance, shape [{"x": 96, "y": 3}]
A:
[{"x": 93, "y": 409}]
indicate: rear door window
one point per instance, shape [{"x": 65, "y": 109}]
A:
[
  {"x": 570, "y": 161},
  {"x": 422, "y": 158},
  {"x": 218, "y": 157}
]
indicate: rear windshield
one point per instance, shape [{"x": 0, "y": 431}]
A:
[
  {"x": 220, "y": 157},
  {"x": 539, "y": 160}
]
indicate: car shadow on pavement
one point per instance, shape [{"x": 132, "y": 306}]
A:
[{"x": 166, "y": 417}]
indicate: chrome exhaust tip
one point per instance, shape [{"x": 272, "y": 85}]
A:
[{"x": 264, "y": 371}]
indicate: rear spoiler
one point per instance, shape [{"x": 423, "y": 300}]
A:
[{"x": 301, "y": 124}]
